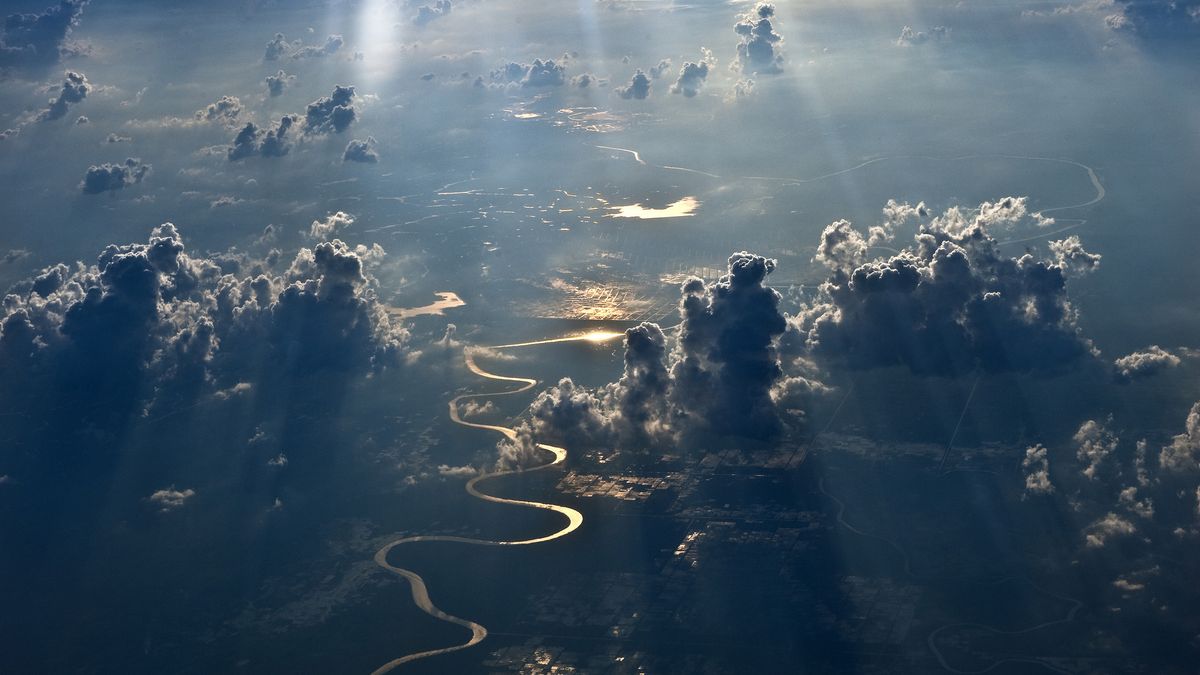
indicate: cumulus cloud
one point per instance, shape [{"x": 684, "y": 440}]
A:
[
  {"x": 638, "y": 87},
  {"x": 537, "y": 74},
  {"x": 278, "y": 82},
  {"x": 949, "y": 303},
  {"x": 583, "y": 81},
  {"x": 270, "y": 142},
  {"x": 1183, "y": 453},
  {"x": 1037, "y": 471},
  {"x": 112, "y": 177},
  {"x": 279, "y": 47},
  {"x": 333, "y": 224},
  {"x": 148, "y": 319},
  {"x": 39, "y": 38},
  {"x": 169, "y": 499},
  {"x": 1152, "y": 360},
  {"x": 1108, "y": 527},
  {"x": 758, "y": 48},
  {"x": 720, "y": 380},
  {"x": 661, "y": 69},
  {"x": 693, "y": 74},
  {"x": 1095, "y": 442},
  {"x": 74, "y": 89},
  {"x": 910, "y": 36},
  {"x": 429, "y": 13},
  {"x": 334, "y": 113},
  {"x": 362, "y": 151},
  {"x": 225, "y": 110}
]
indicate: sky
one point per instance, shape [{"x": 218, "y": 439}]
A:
[{"x": 250, "y": 249}]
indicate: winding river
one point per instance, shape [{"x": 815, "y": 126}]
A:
[{"x": 420, "y": 593}]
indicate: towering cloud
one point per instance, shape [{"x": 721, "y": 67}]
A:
[
  {"x": 950, "y": 303},
  {"x": 638, "y": 87},
  {"x": 758, "y": 44},
  {"x": 693, "y": 74},
  {"x": 74, "y": 89},
  {"x": 39, "y": 38},
  {"x": 113, "y": 177},
  {"x": 147, "y": 318},
  {"x": 271, "y": 142},
  {"x": 721, "y": 380},
  {"x": 278, "y": 82}
]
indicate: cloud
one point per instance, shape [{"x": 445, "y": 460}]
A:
[
  {"x": 74, "y": 89},
  {"x": 333, "y": 224},
  {"x": 583, "y": 81},
  {"x": 169, "y": 499},
  {"x": 279, "y": 47},
  {"x": 29, "y": 39},
  {"x": 361, "y": 151},
  {"x": 638, "y": 87},
  {"x": 429, "y": 13},
  {"x": 1108, "y": 527},
  {"x": 909, "y": 36},
  {"x": 537, "y": 74},
  {"x": 113, "y": 177},
  {"x": 1152, "y": 360},
  {"x": 225, "y": 110},
  {"x": 721, "y": 379},
  {"x": 334, "y": 113},
  {"x": 758, "y": 48},
  {"x": 1183, "y": 453},
  {"x": 693, "y": 74},
  {"x": 949, "y": 303},
  {"x": 117, "y": 138},
  {"x": 656, "y": 72},
  {"x": 1037, "y": 471},
  {"x": 148, "y": 322},
  {"x": 447, "y": 471},
  {"x": 278, "y": 82},
  {"x": 1095, "y": 442},
  {"x": 253, "y": 140}
]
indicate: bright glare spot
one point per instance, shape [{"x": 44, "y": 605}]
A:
[
  {"x": 601, "y": 336},
  {"x": 684, "y": 207}
]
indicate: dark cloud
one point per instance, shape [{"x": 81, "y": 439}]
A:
[
  {"x": 537, "y": 74},
  {"x": 74, "y": 89},
  {"x": 722, "y": 379},
  {"x": 334, "y": 113},
  {"x": 1152, "y": 360},
  {"x": 278, "y": 82},
  {"x": 39, "y": 38},
  {"x": 638, "y": 87},
  {"x": 950, "y": 303},
  {"x": 146, "y": 317},
  {"x": 113, "y": 177},
  {"x": 361, "y": 151},
  {"x": 253, "y": 140},
  {"x": 693, "y": 74},
  {"x": 583, "y": 81},
  {"x": 225, "y": 110},
  {"x": 758, "y": 47},
  {"x": 429, "y": 13}
]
